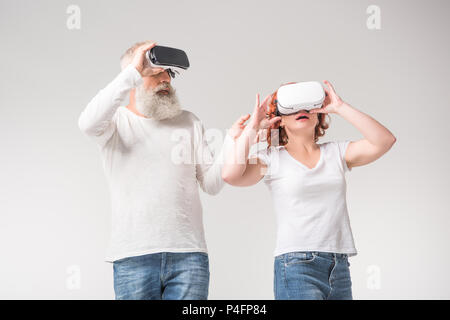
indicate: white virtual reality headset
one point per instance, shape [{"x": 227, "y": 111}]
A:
[{"x": 292, "y": 98}]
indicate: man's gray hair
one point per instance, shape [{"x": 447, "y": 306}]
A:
[{"x": 127, "y": 57}]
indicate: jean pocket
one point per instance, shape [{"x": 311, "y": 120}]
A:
[
  {"x": 300, "y": 257},
  {"x": 203, "y": 256}
]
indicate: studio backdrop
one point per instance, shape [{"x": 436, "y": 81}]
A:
[{"x": 388, "y": 59}]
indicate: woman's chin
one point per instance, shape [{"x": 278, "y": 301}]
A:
[{"x": 303, "y": 125}]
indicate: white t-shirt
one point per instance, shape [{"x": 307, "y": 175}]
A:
[
  {"x": 153, "y": 182},
  {"x": 310, "y": 204}
]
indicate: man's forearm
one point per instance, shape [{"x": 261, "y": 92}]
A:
[
  {"x": 211, "y": 180},
  {"x": 99, "y": 112}
]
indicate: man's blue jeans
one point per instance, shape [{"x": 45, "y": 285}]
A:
[
  {"x": 165, "y": 275},
  {"x": 312, "y": 276}
]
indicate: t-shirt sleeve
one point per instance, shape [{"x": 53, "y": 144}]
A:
[
  {"x": 97, "y": 119},
  {"x": 263, "y": 156},
  {"x": 342, "y": 148}
]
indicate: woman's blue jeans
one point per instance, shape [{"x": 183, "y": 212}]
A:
[
  {"x": 162, "y": 276},
  {"x": 312, "y": 275}
]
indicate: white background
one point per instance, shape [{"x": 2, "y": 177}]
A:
[{"x": 54, "y": 201}]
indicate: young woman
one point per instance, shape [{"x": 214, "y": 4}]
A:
[{"x": 308, "y": 188}]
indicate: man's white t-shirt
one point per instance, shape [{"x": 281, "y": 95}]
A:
[
  {"x": 310, "y": 204},
  {"x": 154, "y": 170}
]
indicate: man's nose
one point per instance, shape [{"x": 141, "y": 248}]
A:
[{"x": 164, "y": 77}]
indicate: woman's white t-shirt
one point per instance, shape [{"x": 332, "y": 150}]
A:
[{"x": 310, "y": 204}]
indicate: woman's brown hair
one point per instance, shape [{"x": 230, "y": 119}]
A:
[{"x": 277, "y": 131}]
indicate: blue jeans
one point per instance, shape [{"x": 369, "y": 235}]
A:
[
  {"x": 162, "y": 276},
  {"x": 312, "y": 275}
]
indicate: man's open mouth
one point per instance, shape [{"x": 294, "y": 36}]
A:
[{"x": 165, "y": 91}]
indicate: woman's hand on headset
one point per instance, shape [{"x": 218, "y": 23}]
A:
[{"x": 332, "y": 101}]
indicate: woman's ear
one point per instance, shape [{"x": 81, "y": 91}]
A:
[{"x": 318, "y": 118}]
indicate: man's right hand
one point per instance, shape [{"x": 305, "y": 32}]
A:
[{"x": 139, "y": 61}]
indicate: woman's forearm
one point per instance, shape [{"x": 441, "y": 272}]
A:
[
  {"x": 236, "y": 158},
  {"x": 235, "y": 170},
  {"x": 370, "y": 128}
]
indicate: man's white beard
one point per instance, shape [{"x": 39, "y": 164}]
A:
[{"x": 155, "y": 105}]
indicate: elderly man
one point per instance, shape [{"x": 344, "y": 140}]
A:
[{"x": 157, "y": 243}]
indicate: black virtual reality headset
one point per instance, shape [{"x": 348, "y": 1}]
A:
[
  {"x": 292, "y": 98},
  {"x": 171, "y": 59}
]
